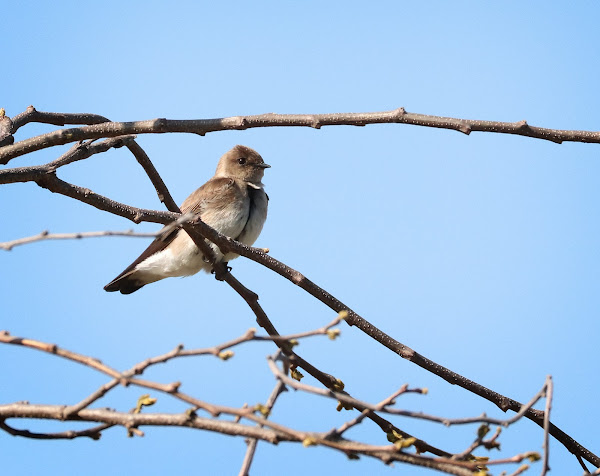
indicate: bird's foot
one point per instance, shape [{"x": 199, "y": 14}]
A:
[{"x": 221, "y": 271}]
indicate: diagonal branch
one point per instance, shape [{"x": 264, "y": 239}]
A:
[
  {"x": 54, "y": 184},
  {"x": 253, "y": 442},
  {"x": 61, "y": 119}
]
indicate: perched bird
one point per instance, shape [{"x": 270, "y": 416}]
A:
[{"x": 233, "y": 202}]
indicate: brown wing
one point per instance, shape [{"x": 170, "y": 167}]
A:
[{"x": 214, "y": 189}]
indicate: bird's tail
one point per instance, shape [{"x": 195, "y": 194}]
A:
[{"x": 125, "y": 283}]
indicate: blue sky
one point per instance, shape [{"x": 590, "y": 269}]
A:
[{"x": 478, "y": 251}]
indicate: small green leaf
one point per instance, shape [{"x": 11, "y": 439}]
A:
[
  {"x": 309, "y": 441},
  {"x": 259, "y": 407},
  {"x": 226, "y": 354},
  {"x": 402, "y": 443},
  {"x": 144, "y": 401},
  {"x": 533, "y": 456},
  {"x": 296, "y": 374},
  {"x": 343, "y": 406}
]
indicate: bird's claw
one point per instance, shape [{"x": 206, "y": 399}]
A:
[{"x": 221, "y": 272}]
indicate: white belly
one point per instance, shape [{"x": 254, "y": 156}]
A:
[{"x": 182, "y": 258}]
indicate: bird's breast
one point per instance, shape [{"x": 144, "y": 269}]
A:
[{"x": 257, "y": 214}]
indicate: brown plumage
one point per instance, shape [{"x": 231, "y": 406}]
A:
[{"x": 233, "y": 202}]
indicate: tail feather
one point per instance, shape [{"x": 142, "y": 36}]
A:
[{"x": 125, "y": 284}]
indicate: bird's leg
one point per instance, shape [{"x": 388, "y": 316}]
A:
[{"x": 220, "y": 270}]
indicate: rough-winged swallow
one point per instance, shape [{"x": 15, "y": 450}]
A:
[{"x": 233, "y": 202}]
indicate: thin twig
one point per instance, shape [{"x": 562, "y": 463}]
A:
[
  {"x": 46, "y": 235},
  {"x": 94, "y": 432},
  {"x": 253, "y": 442},
  {"x": 546, "y": 444}
]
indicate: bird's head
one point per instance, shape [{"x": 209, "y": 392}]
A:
[{"x": 242, "y": 163}]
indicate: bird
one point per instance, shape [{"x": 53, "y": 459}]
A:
[{"x": 233, "y": 202}]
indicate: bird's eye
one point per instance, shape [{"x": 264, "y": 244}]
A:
[{"x": 242, "y": 160}]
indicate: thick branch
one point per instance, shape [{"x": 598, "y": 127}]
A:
[
  {"x": 61, "y": 119},
  {"x": 203, "y": 126}
]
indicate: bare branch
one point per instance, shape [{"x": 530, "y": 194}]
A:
[
  {"x": 45, "y": 235},
  {"x": 94, "y": 433},
  {"x": 60, "y": 119},
  {"x": 204, "y": 126},
  {"x": 253, "y": 442},
  {"x": 79, "y": 151},
  {"x": 546, "y": 445},
  {"x": 122, "y": 134}
]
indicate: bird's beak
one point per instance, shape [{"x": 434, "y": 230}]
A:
[{"x": 263, "y": 166}]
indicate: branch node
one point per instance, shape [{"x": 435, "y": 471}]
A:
[
  {"x": 160, "y": 124},
  {"x": 399, "y": 112},
  {"x": 465, "y": 128},
  {"x": 242, "y": 123}
]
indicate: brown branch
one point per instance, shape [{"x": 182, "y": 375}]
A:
[
  {"x": 337, "y": 432},
  {"x": 6, "y": 338},
  {"x": 126, "y": 378},
  {"x": 204, "y": 126},
  {"x": 129, "y": 420},
  {"x": 54, "y": 184},
  {"x": 161, "y": 189},
  {"x": 132, "y": 421},
  {"x": 79, "y": 151},
  {"x": 54, "y": 118},
  {"x": 353, "y": 319},
  {"x": 384, "y": 406},
  {"x": 94, "y": 433},
  {"x": 329, "y": 381},
  {"x": 80, "y": 413},
  {"x": 61, "y": 119},
  {"x": 253, "y": 442},
  {"x": 546, "y": 446},
  {"x": 45, "y": 235}
]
